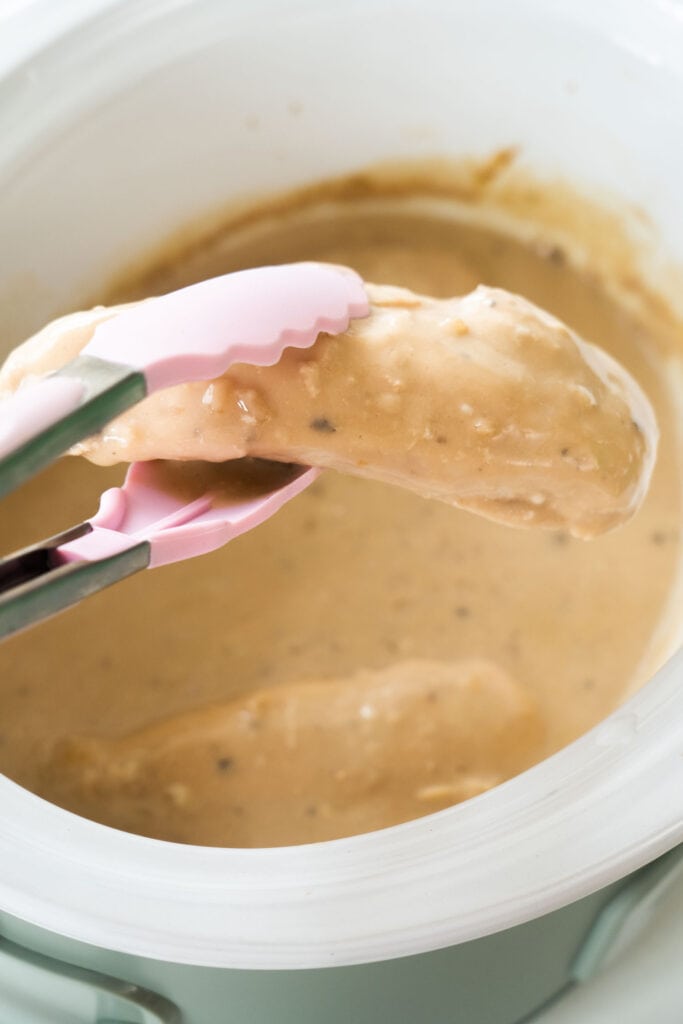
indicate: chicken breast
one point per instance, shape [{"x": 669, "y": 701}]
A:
[
  {"x": 484, "y": 401},
  {"x": 307, "y": 761}
]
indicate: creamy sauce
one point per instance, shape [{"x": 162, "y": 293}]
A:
[{"x": 353, "y": 577}]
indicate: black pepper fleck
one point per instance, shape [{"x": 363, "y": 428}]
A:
[
  {"x": 440, "y": 439},
  {"x": 224, "y": 764},
  {"x": 658, "y": 537},
  {"x": 556, "y": 256},
  {"x": 311, "y": 811},
  {"x": 323, "y": 425},
  {"x": 564, "y": 452},
  {"x": 462, "y": 611}
]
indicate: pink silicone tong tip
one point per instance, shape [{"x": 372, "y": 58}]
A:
[
  {"x": 250, "y": 316},
  {"x": 176, "y": 528},
  {"x": 196, "y": 334}
]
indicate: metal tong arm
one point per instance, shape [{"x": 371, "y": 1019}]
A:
[
  {"x": 104, "y": 391},
  {"x": 35, "y": 583}
]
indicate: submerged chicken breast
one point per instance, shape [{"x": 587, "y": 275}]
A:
[
  {"x": 485, "y": 401},
  {"x": 307, "y": 761}
]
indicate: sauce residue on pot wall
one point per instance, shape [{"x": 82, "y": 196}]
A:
[{"x": 354, "y": 580}]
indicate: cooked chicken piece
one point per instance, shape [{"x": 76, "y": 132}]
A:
[
  {"x": 486, "y": 402},
  {"x": 307, "y": 761}
]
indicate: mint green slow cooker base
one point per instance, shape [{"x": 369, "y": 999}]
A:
[
  {"x": 493, "y": 980},
  {"x": 500, "y": 979}
]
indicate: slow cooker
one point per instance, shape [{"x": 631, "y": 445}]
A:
[{"x": 133, "y": 118}]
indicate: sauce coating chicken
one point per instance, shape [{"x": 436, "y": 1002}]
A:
[
  {"x": 485, "y": 401},
  {"x": 309, "y": 761}
]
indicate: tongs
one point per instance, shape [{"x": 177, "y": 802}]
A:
[{"x": 193, "y": 334}]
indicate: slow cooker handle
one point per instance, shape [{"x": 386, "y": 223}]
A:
[
  {"x": 62, "y": 992},
  {"x": 616, "y": 925}
]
